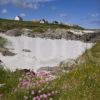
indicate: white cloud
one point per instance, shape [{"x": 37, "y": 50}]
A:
[
  {"x": 4, "y": 1},
  {"x": 93, "y": 18},
  {"x": 63, "y": 15},
  {"x": 35, "y": 4},
  {"x": 22, "y": 14},
  {"x": 95, "y": 15},
  {"x": 4, "y": 11}
]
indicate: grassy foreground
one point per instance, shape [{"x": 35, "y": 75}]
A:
[{"x": 82, "y": 83}]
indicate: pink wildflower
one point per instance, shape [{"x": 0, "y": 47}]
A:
[
  {"x": 41, "y": 96},
  {"x": 45, "y": 96},
  {"x": 38, "y": 98},
  {"x": 34, "y": 98},
  {"x": 49, "y": 94}
]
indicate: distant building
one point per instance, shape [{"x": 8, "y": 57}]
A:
[
  {"x": 43, "y": 21},
  {"x": 18, "y": 18},
  {"x": 55, "y": 22}
]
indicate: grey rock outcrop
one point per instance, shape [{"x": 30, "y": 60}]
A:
[
  {"x": 14, "y": 32},
  {"x": 58, "y": 34}
]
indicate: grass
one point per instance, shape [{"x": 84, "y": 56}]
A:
[
  {"x": 3, "y": 50},
  {"x": 6, "y": 24},
  {"x": 9, "y": 78},
  {"x": 82, "y": 83},
  {"x": 3, "y": 41}
]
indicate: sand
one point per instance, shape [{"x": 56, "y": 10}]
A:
[{"x": 42, "y": 52}]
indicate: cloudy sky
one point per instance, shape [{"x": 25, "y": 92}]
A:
[{"x": 82, "y": 12}]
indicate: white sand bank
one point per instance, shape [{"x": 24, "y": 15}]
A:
[{"x": 43, "y": 52}]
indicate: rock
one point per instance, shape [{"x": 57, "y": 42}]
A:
[
  {"x": 68, "y": 34},
  {"x": 8, "y": 53},
  {"x": 14, "y": 32},
  {"x": 1, "y": 62},
  {"x": 26, "y": 50}
]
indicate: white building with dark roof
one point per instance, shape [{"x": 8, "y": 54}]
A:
[{"x": 18, "y": 18}]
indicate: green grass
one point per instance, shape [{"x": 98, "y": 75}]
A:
[
  {"x": 9, "y": 78},
  {"x": 6, "y": 24},
  {"x": 82, "y": 83},
  {"x": 3, "y": 41}
]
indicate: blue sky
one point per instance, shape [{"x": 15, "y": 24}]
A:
[{"x": 82, "y": 12}]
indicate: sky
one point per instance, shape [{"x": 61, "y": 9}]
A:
[{"x": 81, "y": 12}]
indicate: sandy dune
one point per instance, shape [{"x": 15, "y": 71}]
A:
[{"x": 42, "y": 52}]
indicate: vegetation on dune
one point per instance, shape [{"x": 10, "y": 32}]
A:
[
  {"x": 4, "y": 50},
  {"x": 6, "y": 24},
  {"x": 82, "y": 83},
  {"x": 2, "y": 42}
]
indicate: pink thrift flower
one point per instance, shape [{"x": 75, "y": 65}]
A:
[
  {"x": 38, "y": 98},
  {"x": 25, "y": 82},
  {"x": 45, "y": 96},
  {"x": 49, "y": 94},
  {"x": 34, "y": 98},
  {"x": 41, "y": 96}
]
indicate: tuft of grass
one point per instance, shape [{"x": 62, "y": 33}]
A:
[
  {"x": 10, "y": 79},
  {"x": 3, "y": 41}
]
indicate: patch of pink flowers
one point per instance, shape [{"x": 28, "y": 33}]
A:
[
  {"x": 39, "y": 81},
  {"x": 30, "y": 79},
  {"x": 45, "y": 96}
]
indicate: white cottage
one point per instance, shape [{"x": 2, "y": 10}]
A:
[
  {"x": 43, "y": 21},
  {"x": 18, "y": 18}
]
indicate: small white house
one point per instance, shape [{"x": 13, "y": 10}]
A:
[
  {"x": 42, "y": 21},
  {"x": 18, "y": 18}
]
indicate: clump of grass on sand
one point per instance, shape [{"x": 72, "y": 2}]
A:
[{"x": 2, "y": 41}]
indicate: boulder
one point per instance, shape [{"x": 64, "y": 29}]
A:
[{"x": 14, "y": 32}]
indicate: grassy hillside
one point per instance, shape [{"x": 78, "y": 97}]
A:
[{"x": 6, "y": 24}]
